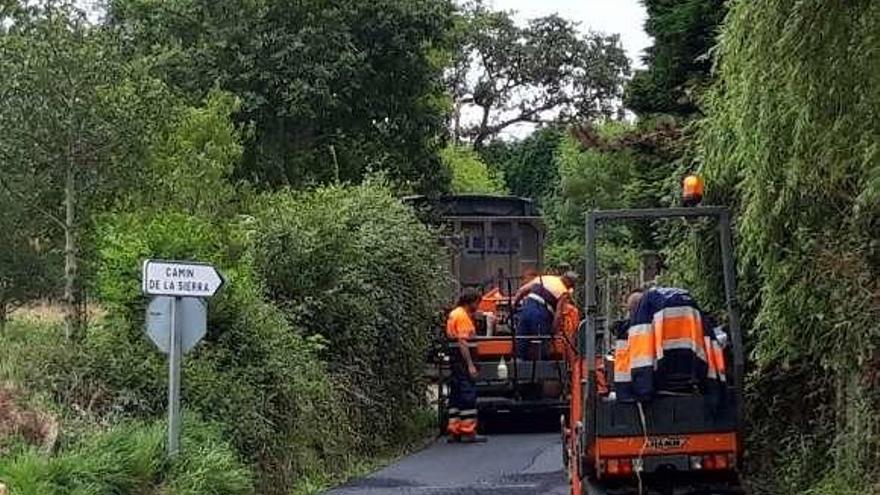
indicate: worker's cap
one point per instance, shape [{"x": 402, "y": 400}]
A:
[{"x": 570, "y": 278}]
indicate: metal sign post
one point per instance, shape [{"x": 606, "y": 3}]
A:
[
  {"x": 174, "y": 361},
  {"x": 176, "y": 321}
]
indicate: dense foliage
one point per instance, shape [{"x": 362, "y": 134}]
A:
[
  {"x": 254, "y": 375},
  {"x": 470, "y": 175},
  {"x": 679, "y": 62},
  {"x": 306, "y": 389},
  {"x": 25, "y": 262},
  {"x": 354, "y": 267},
  {"x": 613, "y": 165},
  {"x": 328, "y": 92},
  {"x": 791, "y": 141},
  {"x": 76, "y": 119},
  {"x": 527, "y": 165}
]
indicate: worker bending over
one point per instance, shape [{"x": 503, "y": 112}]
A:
[
  {"x": 667, "y": 345},
  {"x": 543, "y": 308},
  {"x": 463, "y": 392}
]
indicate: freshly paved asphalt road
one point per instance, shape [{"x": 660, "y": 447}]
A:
[{"x": 509, "y": 464}]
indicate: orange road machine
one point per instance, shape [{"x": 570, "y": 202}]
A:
[{"x": 671, "y": 444}]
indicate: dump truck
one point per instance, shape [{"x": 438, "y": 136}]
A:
[
  {"x": 672, "y": 444},
  {"x": 496, "y": 244}
]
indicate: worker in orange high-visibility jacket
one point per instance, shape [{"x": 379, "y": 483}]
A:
[
  {"x": 460, "y": 328},
  {"x": 667, "y": 346},
  {"x": 542, "y": 313}
]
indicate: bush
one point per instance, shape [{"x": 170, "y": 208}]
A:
[
  {"x": 254, "y": 374},
  {"x": 352, "y": 265},
  {"x": 527, "y": 165}
]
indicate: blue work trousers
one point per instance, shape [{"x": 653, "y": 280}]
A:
[{"x": 534, "y": 320}]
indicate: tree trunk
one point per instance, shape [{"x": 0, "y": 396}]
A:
[
  {"x": 72, "y": 310},
  {"x": 4, "y": 315},
  {"x": 483, "y": 132},
  {"x": 456, "y": 123}
]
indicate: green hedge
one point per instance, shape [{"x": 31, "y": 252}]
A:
[
  {"x": 306, "y": 385},
  {"x": 791, "y": 141},
  {"x": 255, "y": 374},
  {"x": 353, "y": 266}
]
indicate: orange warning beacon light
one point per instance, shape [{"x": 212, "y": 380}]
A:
[{"x": 692, "y": 190}]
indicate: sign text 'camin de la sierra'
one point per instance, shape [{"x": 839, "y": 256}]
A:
[{"x": 168, "y": 278}]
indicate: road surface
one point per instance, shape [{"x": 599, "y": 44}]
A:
[{"x": 509, "y": 464}]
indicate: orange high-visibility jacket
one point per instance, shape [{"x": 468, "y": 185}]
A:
[{"x": 666, "y": 339}]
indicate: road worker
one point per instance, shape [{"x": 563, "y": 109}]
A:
[
  {"x": 460, "y": 327},
  {"x": 543, "y": 303},
  {"x": 667, "y": 346}
]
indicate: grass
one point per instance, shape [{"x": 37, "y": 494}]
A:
[{"x": 129, "y": 459}]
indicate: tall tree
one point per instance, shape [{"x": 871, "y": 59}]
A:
[
  {"x": 547, "y": 71},
  {"x": 679, "y": 62},
  {"x": 330, "y": 91},
  {"x": 73, "y": 126}
]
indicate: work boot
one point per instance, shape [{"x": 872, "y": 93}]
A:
[{"x": 474, "y": 439}]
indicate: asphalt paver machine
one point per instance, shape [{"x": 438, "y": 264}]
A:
[{"x": 495, "y": 244}]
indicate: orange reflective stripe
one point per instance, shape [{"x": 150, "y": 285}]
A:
[
  {"x": 641, "y": 346},
  {"x": 621, "y": 362},
  {"x": 454, "y": 426},
  {"x": 679, "y": 328},
  {"x": 718, "y": 353},
  {"x": 467, "y": 427},
  {"x": 717, "y": 367}
]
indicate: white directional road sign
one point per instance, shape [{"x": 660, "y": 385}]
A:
[
  {"x": 176, "y": 320},
  {"x": 180, "y": 279},
  {"x": 191, "y": 320}
]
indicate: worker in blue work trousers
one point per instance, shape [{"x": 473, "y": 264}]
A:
[
  {"x": 543, "y": 303},
  {"x": 460, "y": 328}
]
